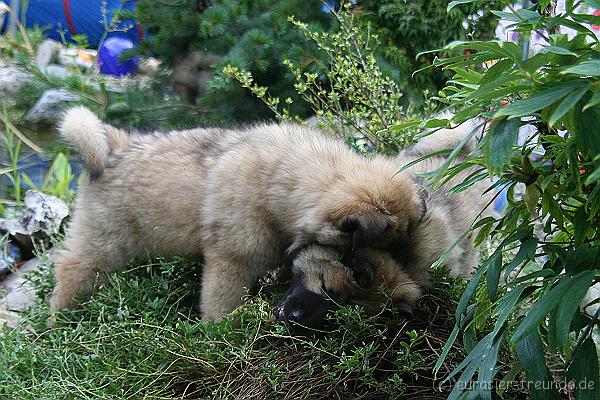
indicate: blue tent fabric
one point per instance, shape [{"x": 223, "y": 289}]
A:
[{"x": 83, "y": 16}]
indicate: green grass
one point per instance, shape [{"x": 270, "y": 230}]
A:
[{"x": 140, "y": 336}]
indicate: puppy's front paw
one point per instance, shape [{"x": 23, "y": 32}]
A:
[{"x": 51, "y": 321}]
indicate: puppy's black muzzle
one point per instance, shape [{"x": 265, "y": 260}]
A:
[{"x": 305, "y": 308}]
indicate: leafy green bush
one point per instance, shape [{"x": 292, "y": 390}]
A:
[
  {"x": 252, "y": 35},
  {"x": 408, "y": 28},
  {"x": 356, "y": 101},
  {"x": 551, "y": 232}
]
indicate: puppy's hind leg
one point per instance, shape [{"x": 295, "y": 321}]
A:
[
  {"x": 75, "y": 275},
  {"x": 79, "y": 269}
]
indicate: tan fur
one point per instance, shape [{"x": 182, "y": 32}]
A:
[
  {"x": 241, "y": 198},
  {"x": 84, "y": 130},
  {"x": 403, "y": 268},
  {"x": 448, "y": 214},
  {"x": 324, "y": 273}
]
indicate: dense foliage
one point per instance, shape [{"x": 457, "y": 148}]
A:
[
  {"x": 252, "y": 35},
  {"x": 357, "y": 101},
  {"x": 408, "y": 28},
  {"x": 255, "y": 36},
  {"x": 533, "y": 285}
]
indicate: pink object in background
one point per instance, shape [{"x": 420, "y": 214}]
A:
[{"x": 596, "y": 27}]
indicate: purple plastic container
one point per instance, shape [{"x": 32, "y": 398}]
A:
[{"x": 108, "y": 57}]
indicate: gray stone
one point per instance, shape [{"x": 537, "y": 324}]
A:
[
  {"x": 11, "y": 80},
  {"x": 48, "y": 109},
  {"x": 9, "y": 318},
  {"x": 47, "y": 53},
  {"x": 592, "y": 294},
  {"x": 20, "y": 293}
]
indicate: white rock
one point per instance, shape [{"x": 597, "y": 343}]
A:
[
  {"x": 21, "y": 294},
  {"x": 43, "y": 213},
  {"x": 56, "y": 71},
  {"x": 47, "y": 53}
]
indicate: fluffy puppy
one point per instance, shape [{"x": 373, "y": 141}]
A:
[
  {"x": 324, "y": 277},
  {"x": 246, "y": 200}
]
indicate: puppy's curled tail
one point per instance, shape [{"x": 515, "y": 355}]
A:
[{"x": 92, "y": 139}]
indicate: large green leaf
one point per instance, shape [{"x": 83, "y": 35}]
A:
[
  {"x": 564, "y": 314},
  {"x": 594, "y": 176},
  {"x": 558, "y": 50},
  {"x": 547, "y": 302},
  {"x": 493, "y": 276},
  {"x": 495, "y": 49},
  {"x": 493, "y": 84},
  {"x": 539, "y": 99},
  {"x": 580, "y": 225},
  {"x": 459, "y": 315},
  {"x": 483, "y": 356},
  {"x": 499, "y": 142},
  {"x": 469, "y": 366},
  {"x": 501, "y": 68},
  {"x": 567, "y": 104},
  {"x": 526, "y": 252},
  {"x": 586, "y": 18},
  {"x": 594, "y": 100},
  {"x": 582, "y": 258},
  {"x": 487, "y": 370},
  {"x": 584, "y": 371},
  {"x": 531, "y": 357},
  {"x": 586, "y": 68},
  {"x": 455, "y": 3},
  {"x": 586, "y": 127},
  {"x": 593, "y": 3}
]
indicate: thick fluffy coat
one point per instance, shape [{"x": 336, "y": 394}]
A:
[
  {"x": 325, "y": 277},
  {"x": 246, "y": 200}
]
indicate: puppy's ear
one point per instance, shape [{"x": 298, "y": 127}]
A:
[{"x": 365, "y": 228}]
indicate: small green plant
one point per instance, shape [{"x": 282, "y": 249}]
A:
[
  {"x": 350, "y": 96},
  {"x": 56, "y": 182},
  {"x": 13, "y": 150},
  {"x": 532, "y": 299}
]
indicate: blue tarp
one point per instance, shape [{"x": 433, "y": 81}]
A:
[{"x": 82, "y": 17}]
